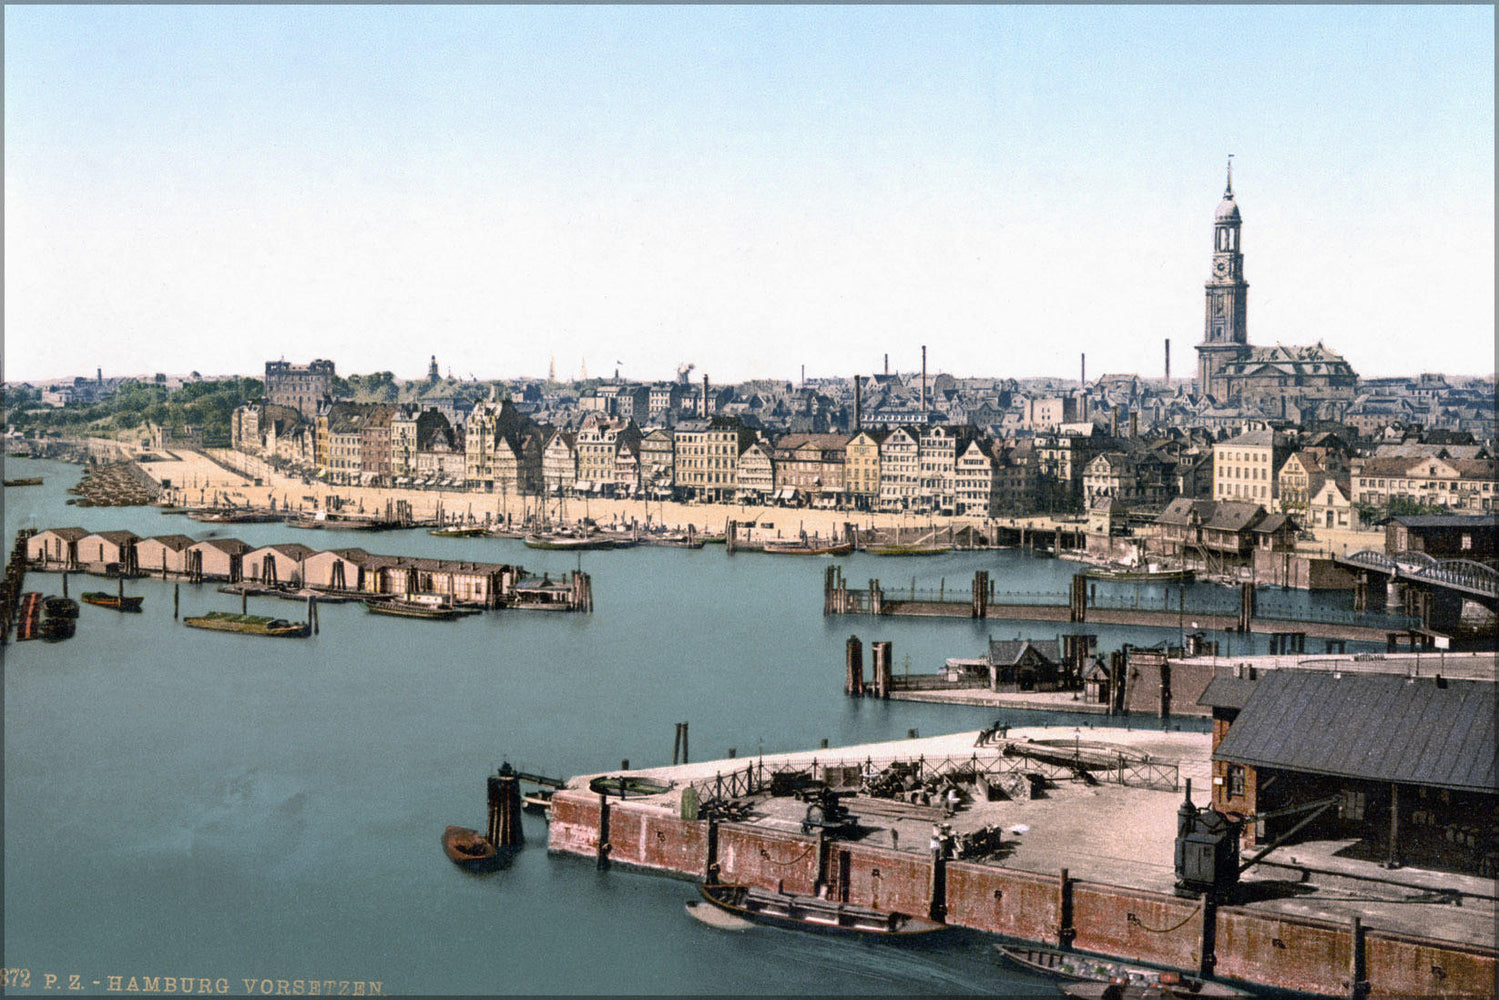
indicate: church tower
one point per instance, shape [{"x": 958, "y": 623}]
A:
[{"x": 1226, "y": 331}]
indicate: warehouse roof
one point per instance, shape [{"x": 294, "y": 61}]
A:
[{"x": 1411, "y": 730}]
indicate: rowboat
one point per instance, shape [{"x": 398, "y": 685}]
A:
[
  {"x": 25, "y": 481},
  {"x": 469, "y": 850},
  {"x": 107, "y": 600},
  {"x": 782, "y": 909},
  {"x": 799, "y": 548},
  {"x": 227, "y": 621},
  {"x": 1100, "y": 973}
]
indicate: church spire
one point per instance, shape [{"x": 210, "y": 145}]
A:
[{"x": 1228, "y": 190}]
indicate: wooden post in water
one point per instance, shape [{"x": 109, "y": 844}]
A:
[
  {"x": 176, "y": 599},
  {"x": 505, "y": 807},
  {"x": 853, "y": 673},
  {"x": 685, "y": 759},
  {"x": 120, "y": 589},
  {"x": 65, "y": 583},
  {"x": 603, "y": 855},
  {"x": 244, "y": 602}
]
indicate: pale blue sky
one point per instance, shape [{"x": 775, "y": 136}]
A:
[{"x": 748, "y": 188}]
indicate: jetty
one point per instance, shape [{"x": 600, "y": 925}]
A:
[
  {"x": 1083, "y": 602},
  {"x": 1020, "y": 837}
]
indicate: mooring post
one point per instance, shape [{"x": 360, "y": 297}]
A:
[
  {"x": 1356, "y": 985},
  {"x": 937, "y": 880},
  {"x": 1065, "y": 933},
  {"x": 507, "y": 787},
  {"x": 65, "y": 583},
  {"x": 244, "y": 602},
  {"x": 176, "y": 599},
  {"x": 685, "y": 758},
  {"x": 1208, "y": 938},
  {"x": 710, "y": 864}
]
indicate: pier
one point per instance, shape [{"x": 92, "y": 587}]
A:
[
  {"x": 1082, "y": 602},
  {"x": 1047, "y": 867}
]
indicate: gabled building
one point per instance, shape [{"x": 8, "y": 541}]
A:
[
  {"x": 900, "y": 469},
  {"x": 861, "y": 469}
]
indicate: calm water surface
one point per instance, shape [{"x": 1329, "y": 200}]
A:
[{"x": 191, "y": 804}]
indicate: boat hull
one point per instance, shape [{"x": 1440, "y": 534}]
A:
[
  {"x": 468, "y": 850},
  {"x": 224, "y": 621},
  {"x": 1089, "y": 971},
  {"x": 402, "y": 610},
  {"x": 808, "y": 550},
  {"x": 105, "y": 600},
  {"x": 812, "y": 913}
]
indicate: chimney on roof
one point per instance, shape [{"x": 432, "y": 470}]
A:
[
  {"x": 887, "y": 364},
  {"x": 923, "y": 379},
  {"x": 856, "y": 404},
  {"x": 1168, "y": 362}
]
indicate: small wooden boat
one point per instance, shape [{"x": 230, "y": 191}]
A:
[
  {"x": 427, "y": 606},
  {"x": 25, "y": 481},
  {"x": 227, "y": 621},
  {"x": 61, "y": 607},
  {"x": 711, "y": 915},
  {"x": 800, "y": 548},
  {"x": 469, "y": 850},
  {"x": 908, "y": 550},
  {"x": 107, "y": 600},
  {"x": 1101, "y": 972},
  {"x": 57, "y": 629},
  {"x": 781, "y": 909}
]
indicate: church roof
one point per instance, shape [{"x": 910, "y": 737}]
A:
[{"x": 1228, "y": 209}]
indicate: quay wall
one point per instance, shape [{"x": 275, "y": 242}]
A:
[{"x": 1251, "y": 945}]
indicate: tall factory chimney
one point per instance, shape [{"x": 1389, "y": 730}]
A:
[
  {"x": 923, "y": 379},
  {"x": 887, "y": 364},
  {"x": 1082, "y": 390},
  {"x": 804, "y": 376},
  {"x": 1168, "y": 362},
  {"x": 705, "y": 396},
  {"x": 856, "y": 404}
]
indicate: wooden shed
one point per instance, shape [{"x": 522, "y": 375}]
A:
[
  {"x": 55, "y": 548},
  {"x": 280, "y": 563},
  {"x": 163, "y": 554},
  {"x": 216, "y": 559}
]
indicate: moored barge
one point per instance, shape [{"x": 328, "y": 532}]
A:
[{"x": 226, "y": 621}]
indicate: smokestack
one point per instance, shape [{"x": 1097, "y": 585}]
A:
[
  {"x": 1082, "y": 390},
  {"x": 804, "y": 375},
  {"x": 1168, "y": 362},
  {"x": 705, "y": 396},
  {"x": 887, "y": 364},
  {"x": 856, "y": 404},
  {"x": 923, "y": 378}
]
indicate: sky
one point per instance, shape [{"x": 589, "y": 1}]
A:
[{"x": 752, "y": 190}]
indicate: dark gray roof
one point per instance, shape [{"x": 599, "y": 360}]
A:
[
  {"x": 1374, "y": 727},
  {"x": 1443, "y": 520},
  {"x": 1009, "y": 651},
  {"x": 1227, "y": 691}
]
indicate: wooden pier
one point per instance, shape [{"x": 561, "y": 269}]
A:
[{"x": 1081, "y": 603}]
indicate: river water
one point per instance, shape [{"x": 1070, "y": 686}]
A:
[{"x": 198, "y": 805}]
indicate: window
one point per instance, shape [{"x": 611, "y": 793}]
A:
[{"x": 1235, "y": 781}]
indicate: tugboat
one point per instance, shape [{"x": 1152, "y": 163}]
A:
[
  {"x": 809, "y": 548},
  {"x": 428, "y": 606}
]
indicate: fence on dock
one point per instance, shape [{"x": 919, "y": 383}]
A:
[{"x": 1000, "y": 768}]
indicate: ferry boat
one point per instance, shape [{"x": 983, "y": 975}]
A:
[
  {"x": 781, "y": 909},
  {"x": 458, "y": 531},
  {"x": 107, "y": 600},
  {"x": 1151, "y": 573},
  {"x": 469, "y": 850},
  {"x": 568, "y": 541},
  {"x": 1094, "y": 974},
  {"x": 801, "y": 548},
  {"x": 227, "y": 621},
  {"x": 428, "y": 606}
]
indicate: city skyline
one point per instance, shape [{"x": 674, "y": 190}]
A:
[{"x": 749, "y": 190}]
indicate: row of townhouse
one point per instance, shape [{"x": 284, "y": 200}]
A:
[{"x": 1460, "y": 484}]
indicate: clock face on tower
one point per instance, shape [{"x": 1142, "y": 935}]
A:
[{"x": 1220, "y": 267}]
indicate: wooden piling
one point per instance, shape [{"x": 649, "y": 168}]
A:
[
  {"x": 1065, "y": 931},
  {"x": 504, "y": 808},
  {"x": 244, "y": 602},
  {"x": 602, "y": 861},
  {"x": 65, "y": 583},
  {"x": 176, "y": 600},
  {"x": 853, "y": 672},
  {"x": 1356, "y": 985}
]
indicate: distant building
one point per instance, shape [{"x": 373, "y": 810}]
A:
[
  {"x": 1286, "y": 382},
  {"x": 300, "y": 387}
]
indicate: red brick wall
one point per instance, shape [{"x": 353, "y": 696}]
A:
[
  {"x": 1309, "y": 955},
  {"x": 1399, "y": 966},
  {"x": 766, "y": 858},
  {"x": 902, "y": 886},
  {"x": 1165, "y": 929},
  {"x": 1000, "y": 901},
  {"x": 1286, "y": 952}
]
